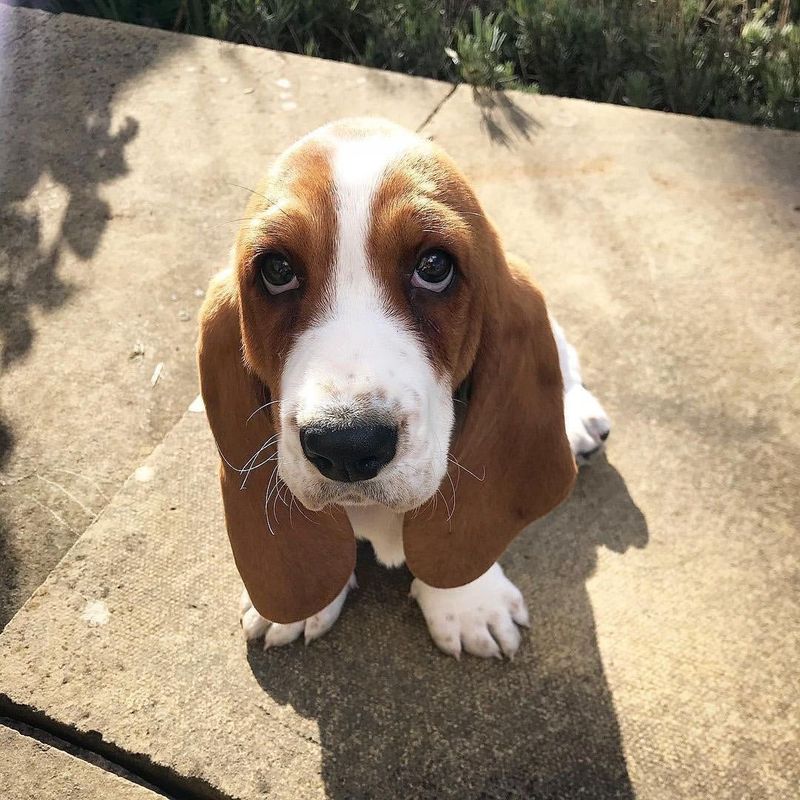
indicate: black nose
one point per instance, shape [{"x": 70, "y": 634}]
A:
[{"x": 353, "y": 453}]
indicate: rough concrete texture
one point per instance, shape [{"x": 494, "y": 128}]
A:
[
  {"x": 57, "y": 775},
  {"x": 119, "y": 198},
  {"x": 662, "y": 661}
]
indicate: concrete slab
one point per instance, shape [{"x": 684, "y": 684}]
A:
[
  {"x": 662, "y": 661},
  {"x": 32, "y": 770},
  {"x": 122, "y": 179}
]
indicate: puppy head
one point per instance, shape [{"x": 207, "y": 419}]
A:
[
  {"x": 358, "y": 273},
  {"x": 372, "y": 322}
]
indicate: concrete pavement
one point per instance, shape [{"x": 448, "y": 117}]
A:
[{"x": 662, "y": 661}]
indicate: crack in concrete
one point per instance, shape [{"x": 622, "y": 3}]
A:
[
  {"x": 140, "y": 767},
  {"x": 437, "y": 108}
]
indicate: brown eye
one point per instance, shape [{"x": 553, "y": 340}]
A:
[
  {"x": 434, "y": 271},
  {"x": 276, "y": 273}
]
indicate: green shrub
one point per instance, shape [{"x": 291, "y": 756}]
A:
[
  {"x": 407, "y": 37},
  {"x": 478, "y": 52},
  {"x": 716, "y": 58}
]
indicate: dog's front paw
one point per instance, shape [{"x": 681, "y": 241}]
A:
[
  {"x": 480, "y": 618},
  {"x": 276, "y": 634},
  {"x": 586, "y": 421}
]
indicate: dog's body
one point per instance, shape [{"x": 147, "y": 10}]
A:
[{"x": 372, "y": 330}]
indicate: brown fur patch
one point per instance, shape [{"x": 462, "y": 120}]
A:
[
  {"x": 294, "y": 215},
  {"x": 425, "y": 203}
]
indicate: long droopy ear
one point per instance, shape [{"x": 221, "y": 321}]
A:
[
  {"x": 293, "y": 562},
  {"x": 516, "y": 463}
]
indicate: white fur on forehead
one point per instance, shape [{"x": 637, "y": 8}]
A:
[{"x": 359, "y": 165}]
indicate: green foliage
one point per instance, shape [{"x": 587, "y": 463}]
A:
[
  {"x": 478, "y": 52},
  {"x": 719, "y": 58},
  {"x": 716, "y": 59}
]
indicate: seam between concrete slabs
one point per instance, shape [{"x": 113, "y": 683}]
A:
[
  {"x": 81, "y": 754},
  {"x": 161, "y": 778}
]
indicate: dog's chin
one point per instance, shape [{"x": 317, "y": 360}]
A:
[{"x": 362, "y": 493}]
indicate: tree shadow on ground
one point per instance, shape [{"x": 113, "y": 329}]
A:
[
  {"x": 501, "y": 118},
  {"x": 60, "y": 142},
  {"x": 397, "y": 719}
]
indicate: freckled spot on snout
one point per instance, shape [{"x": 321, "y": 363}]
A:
[{"x": 331, "y": 391}]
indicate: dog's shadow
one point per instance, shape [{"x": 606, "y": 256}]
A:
[{"x": 397, "y": 719}]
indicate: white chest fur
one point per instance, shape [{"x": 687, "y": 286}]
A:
[{"x": 381, "y": 527}]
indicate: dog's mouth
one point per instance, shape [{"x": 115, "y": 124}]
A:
[
  {"x": 354, "y": 499},
  {"x": 361, "y": 493},
  {"x": 395, "y": 496}
]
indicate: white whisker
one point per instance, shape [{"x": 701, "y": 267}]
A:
[
  {"x": 444, "y": 500},
  {"x": 299, "y": 507},
  {"x": 277, "y": 494},
  {"x": 250, "y": 466},
  {"x": 453, "y": 487},
  {"x": 266, "y": 500},
  {"x": 246, "y": 467},
  {"x": 453, "y": 460},
  {"x": 261, "y": 408}
]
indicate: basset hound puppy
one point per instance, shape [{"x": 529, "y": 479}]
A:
[{"x": 375, "y": 366}]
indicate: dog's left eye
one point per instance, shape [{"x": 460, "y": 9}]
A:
[
  {"x": 434, "y": 271},
  {"x": 276, "y": 273}
]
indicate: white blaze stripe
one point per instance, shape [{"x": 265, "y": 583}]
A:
[{"x": 358, "y": 168}]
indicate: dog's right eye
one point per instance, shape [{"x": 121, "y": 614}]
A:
[
  {"x": 434, "y": 271},
  {"x": 276, "y": 273}
]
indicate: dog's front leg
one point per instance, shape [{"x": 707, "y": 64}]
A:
[
  {"x": 585, "y": 418},
  {"x": 480, "y": 618},
  {"x": 276, "y": 634}
]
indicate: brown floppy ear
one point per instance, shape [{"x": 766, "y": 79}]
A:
[
  {"x": 293, "y": 562},
  {"x": 511, "y": 438}
]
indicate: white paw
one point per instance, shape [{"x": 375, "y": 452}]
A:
[
  {"x": 587, "y": 423},
  {"x": 480, "y": 618},
  {"x": 276, "y": 634}
]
